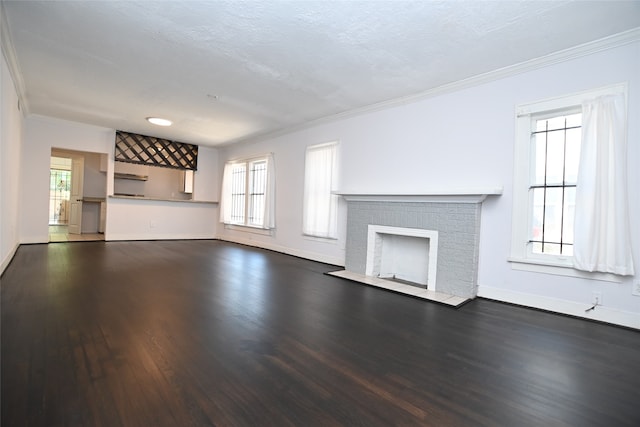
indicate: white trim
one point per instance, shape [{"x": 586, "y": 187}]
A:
[
  {"x": 549, "y": 267},
  {"x": 9, "y": 54},
  {"x": 32, "y": 240},
  {"x": 373, "y": 232},
  {"x": 112, "y": 237},
  {"x": 313, "y": 256},
  {"x": 249, "y": 229},
  {"x": 7, "y": 260},
  {"x": 451, "y": 195},
  {"x": 328, "y": 240},
  {"x": 589, "y": 48},
  {"x": 572, "y": 308},
  {"x": 563, "y": 102},
  {"x": 249, "y": 159}
]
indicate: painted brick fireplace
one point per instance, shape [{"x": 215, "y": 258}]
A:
[{"x": 456, "y": 219}]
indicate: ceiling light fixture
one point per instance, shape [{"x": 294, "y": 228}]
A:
[{"x": 158, "y": 121}]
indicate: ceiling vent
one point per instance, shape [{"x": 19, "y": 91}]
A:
[{"x": 149, "y": 150}]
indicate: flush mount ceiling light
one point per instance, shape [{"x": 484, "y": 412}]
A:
[{"x": 158, "y": 121}]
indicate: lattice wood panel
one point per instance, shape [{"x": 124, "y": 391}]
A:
[{"x": 149, "y": 150}]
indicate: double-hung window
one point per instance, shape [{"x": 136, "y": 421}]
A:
[
  {"x": 320, "y": 211},
  {"x": 247, "y": 193},
  {"x": 548, "y": 175}
]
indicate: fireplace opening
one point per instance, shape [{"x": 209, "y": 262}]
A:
[{"x": 406, "y": 255}]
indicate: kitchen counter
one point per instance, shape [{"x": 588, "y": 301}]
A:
[{"x": 159, "y": 199}]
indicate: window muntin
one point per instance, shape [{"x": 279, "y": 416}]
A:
[{"x": 555, "y": 154}]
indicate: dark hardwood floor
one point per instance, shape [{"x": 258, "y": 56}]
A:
[{"x": 182, "y": 333}]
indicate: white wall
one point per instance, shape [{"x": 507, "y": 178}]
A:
[
  {"x": 459, "y": 139},
  {"x": 133, "y": 219},
  {"x": 10, "y": 148},
  {"x": 289, "y": 156},
  {"x": 41, "y": 134},
  {"x": 126, "y": 219},
  {"x": 206, "y": 184}
]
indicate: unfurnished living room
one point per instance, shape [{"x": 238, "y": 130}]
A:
[{"x": 313, "y": 213}]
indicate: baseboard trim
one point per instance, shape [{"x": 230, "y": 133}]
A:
[
  {"x": 7, "y": 260},
  {"x": 122, "y": 237},
  {"x": 570, "y": 308},
  {"x": 313, "y": 256}
]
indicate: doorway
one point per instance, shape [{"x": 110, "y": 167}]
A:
[
  {"x": 59, "y": 190},
  {"x": 77, "y": 191}
]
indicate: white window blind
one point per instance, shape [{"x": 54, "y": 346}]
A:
[{"x": 320, "y": 211}]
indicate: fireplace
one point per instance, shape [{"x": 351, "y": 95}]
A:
[
  {"x": 405, "y": 254},
  {"x": 427, "y": 240}
]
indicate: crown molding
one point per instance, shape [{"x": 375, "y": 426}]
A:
[
  {"x": 9, "y": 54},
  {"x": 610, "y": 42}
]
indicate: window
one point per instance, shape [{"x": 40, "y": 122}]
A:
[
  {"x": 247, "y": 193},
  {"x": 549, "y": 145},
  {"x": 320, "y": 211},
  {"x": 555, "y": 145}
]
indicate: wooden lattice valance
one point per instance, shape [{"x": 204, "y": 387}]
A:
[{"x": 149, "y": 150}]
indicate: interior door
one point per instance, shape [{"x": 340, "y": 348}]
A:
[{"x": 75, "y": 202}]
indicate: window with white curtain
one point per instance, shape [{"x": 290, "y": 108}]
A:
[
  {"x": 320, "y": 210},
  {"x": 248, "y": 193},
  {"x": 554, "y": 176}
]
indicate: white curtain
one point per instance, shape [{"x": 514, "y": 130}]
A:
[
  {"x": 320, "y": 212},
  {"x": 270, "y": 195},
  {"x": 225, "y": 194},
  {"x": 602, "y": 233}
]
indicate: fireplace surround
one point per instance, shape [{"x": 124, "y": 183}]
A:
[{"x": 452, "y": 217}]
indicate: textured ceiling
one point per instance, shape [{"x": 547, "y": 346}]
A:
[{"x": 225, "y": 71}]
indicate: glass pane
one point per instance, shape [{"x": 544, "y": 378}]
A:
[
  {"x": 536, "y": 248},
  {"x": 551, "y": 248},
  {"x": 539, "y": 155},
  {"x": 572, "y": 155},
  {"x": 555, "y": 157},
  {"x": 553, "y": 215},
  {"x": 574, "y": 120},
  {"x": 538, "y": 209},
  {"x": 258, "y": 185},
  {"x": 541, "y": 125},
  {"x": 569, "y": 214},
  {"x": 238, "y": 190},
  {"x": 556, "y": 123}
]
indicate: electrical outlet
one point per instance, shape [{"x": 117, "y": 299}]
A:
[
  {"x": 635, "y": 289},
  {"x": 596, "y": 298}
]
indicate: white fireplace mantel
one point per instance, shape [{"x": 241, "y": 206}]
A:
[{"x": 441, "y": 195}]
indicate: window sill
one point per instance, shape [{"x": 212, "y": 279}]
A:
[
  {"x": 331, "y": 240},
  {"x": 249, "y": 229},
  {"x": 559, "y": 269}
]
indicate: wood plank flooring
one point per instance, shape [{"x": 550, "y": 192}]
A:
[{"x": 180, "y": 333}]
